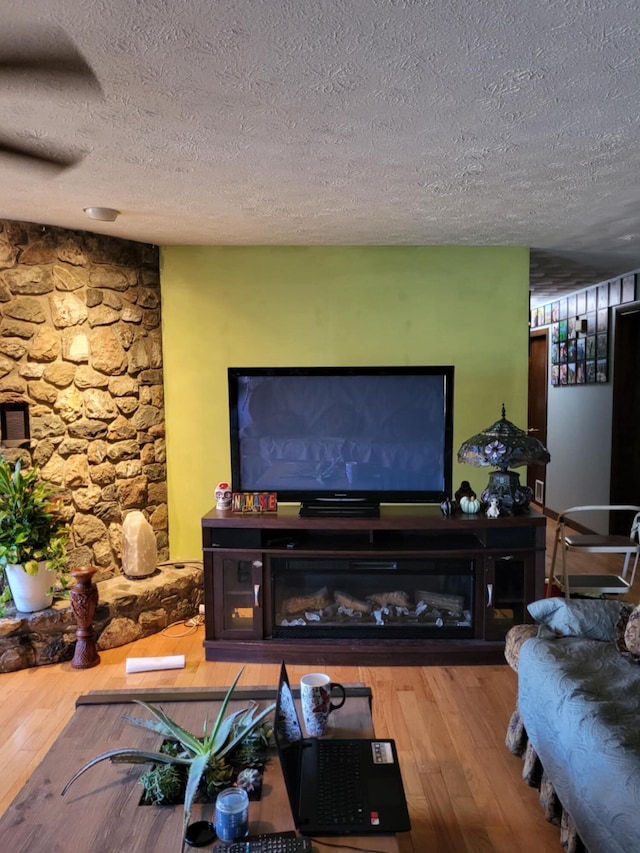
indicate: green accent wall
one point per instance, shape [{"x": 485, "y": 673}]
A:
[{"x": 331, "y": 305}]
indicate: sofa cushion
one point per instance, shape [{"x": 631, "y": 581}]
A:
[{"x": 591, "y": 618}]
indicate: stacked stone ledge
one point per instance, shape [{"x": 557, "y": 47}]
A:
[{"x": 127, "y": 610}]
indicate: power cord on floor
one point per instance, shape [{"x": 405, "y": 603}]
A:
[{"x": 191, "y": 624}]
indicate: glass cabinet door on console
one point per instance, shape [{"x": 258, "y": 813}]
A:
[
  {"x": 509, "y": 587},
  {"x": 238, "y": 606}
]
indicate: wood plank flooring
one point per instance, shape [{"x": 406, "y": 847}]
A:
[{"x": 464, "y": 788}]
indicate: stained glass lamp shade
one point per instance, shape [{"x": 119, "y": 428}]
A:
[{"x": 504, "y": 446}]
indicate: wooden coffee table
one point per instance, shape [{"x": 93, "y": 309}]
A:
[{"x": 101, "y": 813}]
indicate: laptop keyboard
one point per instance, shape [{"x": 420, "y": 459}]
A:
[{"x": 340, "y": 791}]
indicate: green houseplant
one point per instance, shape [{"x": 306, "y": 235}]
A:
[
  {"x": 33, "y": 535},
  {"x": 206, "y": 761}
]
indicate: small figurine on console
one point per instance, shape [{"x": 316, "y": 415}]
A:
[
  {"x": 445, "y": 506},
  {"x": 223, "y": 496},
  {"x": 494, "y": 508},
  {"x": 465, "y": 491}
]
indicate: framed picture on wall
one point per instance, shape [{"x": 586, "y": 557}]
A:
[
  {"x": 603, "y": 295},
  {"x": 628, "y": 287},
  {"x": 615, "y": 291},
  {"x": 562, "y": 327},
  {"x": 547, "y": 314},
  {"x": 563, "y": 309},
  {"x": 601, "y": 346},
  {"x": 580, "y": 356},
  {"x": 603, "y": 318}
]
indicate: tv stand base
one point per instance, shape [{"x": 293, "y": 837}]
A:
[
  {"x": 273, "y": 583},
  {"x": 364, "y": 653}
]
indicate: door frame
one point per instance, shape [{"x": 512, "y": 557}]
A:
[
  {"x": 537, "y": 473},
  {"x": 625, "y": 405}
]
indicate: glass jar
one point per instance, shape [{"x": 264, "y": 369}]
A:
[{"x": 232, "y": 814}]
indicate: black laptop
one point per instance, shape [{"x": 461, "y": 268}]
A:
[{"x": 338, "y": 786}]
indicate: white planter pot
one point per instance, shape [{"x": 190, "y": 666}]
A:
[{"x": 30, "y": 592}]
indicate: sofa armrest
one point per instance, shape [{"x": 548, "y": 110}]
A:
[{"x": 516, "y": 636}]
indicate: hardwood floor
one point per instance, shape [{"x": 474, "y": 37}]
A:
[{"x": 464, "y": 788}]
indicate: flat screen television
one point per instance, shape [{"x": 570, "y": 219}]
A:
[{"x": 342, "y": 439}]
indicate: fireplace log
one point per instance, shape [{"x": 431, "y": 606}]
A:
[{"x": 440, "y": 600}]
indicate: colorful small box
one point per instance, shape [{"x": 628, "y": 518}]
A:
[{"x": 254, "y": 502}]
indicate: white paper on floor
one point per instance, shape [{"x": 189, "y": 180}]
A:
[{"x": 146, "y": 664}]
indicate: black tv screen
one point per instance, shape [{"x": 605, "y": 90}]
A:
[{"x": 342, "y": 435}]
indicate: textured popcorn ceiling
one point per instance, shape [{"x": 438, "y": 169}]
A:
[{"x": 465, "y": 122}]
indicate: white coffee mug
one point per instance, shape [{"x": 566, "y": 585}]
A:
[{"x": 315, "y": 699}]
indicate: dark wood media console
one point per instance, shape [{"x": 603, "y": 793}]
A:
[{"x": 407, "y": 588}]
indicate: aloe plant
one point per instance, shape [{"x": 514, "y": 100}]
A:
[{"x": 198, "y": 753}]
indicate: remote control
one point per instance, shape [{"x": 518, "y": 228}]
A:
[{"x": 276, "y": 842}]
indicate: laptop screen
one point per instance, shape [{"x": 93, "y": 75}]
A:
[{"x": 289, "y": 739}]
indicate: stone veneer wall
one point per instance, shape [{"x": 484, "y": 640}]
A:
[{"x": 80, "y": 342}]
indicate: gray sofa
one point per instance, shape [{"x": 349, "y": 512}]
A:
[{"x": 577, "y": 720}]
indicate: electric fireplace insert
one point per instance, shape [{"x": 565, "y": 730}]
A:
[{"x": 368, "y": 598}]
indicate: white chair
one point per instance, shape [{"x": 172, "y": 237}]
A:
[{"x": 595, "y": 543}]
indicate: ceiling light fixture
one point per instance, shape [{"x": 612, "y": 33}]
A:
[{"x": 104, "y": 214}]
